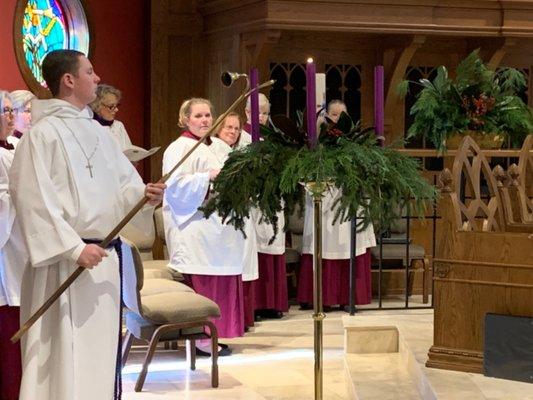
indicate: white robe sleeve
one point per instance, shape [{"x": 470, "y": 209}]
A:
[
  {"x": 48, "y": 236},
  {"x": 7, "y": 210},
  {"x": 186, "y": 189}
]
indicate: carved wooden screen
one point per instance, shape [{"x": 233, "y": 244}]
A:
[
  {"x": 343, "y": 81},
  {"x": 480, "y": 210}
]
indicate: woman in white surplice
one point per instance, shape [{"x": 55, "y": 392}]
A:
[
  {"x": 12, "y": 261},
  {"x": 210, "y": 254},
  {"x": 222, "y": 144},
  {"x": 335, "y": 249}
]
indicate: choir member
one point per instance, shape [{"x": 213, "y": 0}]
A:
[
  {"x": 335, "y": 250},
  {"x": 22, "y": 104},
  {"x": 226, "y": 140},
  {"x": 105, "y": 109},
  {"x": 71, "y": 185},
  {"x": 12, "y": 262},
  {"x": 270, "y": 290},
  {"x": 211, "y": 255}
]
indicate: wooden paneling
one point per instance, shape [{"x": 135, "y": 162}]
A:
[{"x": 475, "y": 273}]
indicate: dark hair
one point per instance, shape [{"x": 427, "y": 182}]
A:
[{"x": 58, "y": 63}]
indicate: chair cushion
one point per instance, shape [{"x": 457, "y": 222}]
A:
[
  {"x": 163, "y": 265},
  {"x": 156, "y": 264},
  {"x": 397, "y": 252},
  {"x": 157, "y": 286},
  {"x": 150, "y": 273},
  {"x": 178, "y": 307}
]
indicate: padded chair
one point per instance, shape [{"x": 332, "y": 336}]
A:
[
  {"x": 162, "y": 310},
  {"x": 143, "y": 238},
  {"x": 394, "y": 248}
]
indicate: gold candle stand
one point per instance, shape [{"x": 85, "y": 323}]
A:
[{"x": 317, "y": 192}]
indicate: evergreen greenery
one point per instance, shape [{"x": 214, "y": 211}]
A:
[
  {"x": 268, "y": 175},
  {"x": 478, "y": 99}
]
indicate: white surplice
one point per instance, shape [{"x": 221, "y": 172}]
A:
[
  {"x": 118, "y": 132},
  {"x": 264, "y": 231},
  {"x": 71, "y": 352},
  {"x": 197, "y": 245},
  {"x": 13, "y": 253},
  {"x": 250, "y": 271},
  {"x": 335, "y": 238}
]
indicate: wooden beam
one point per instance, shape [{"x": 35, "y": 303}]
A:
[
  {"x": 397, "y": 68},
  {"x": 498, "y": 54}
]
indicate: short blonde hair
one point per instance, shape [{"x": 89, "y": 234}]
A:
[
  {"x": 231, "y": 114},
  {"x": 101, "y": 91},
  {"x": 21, "y": 98},
  {"x": 186, "y": 106}
]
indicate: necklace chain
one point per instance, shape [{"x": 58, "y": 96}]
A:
[{"x": 89, "y": 166}]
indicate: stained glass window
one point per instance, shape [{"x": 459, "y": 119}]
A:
[{"x": 48, "y": 25}]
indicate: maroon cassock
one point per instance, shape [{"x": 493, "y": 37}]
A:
[
  {"x": 271, "y": 287},
  {"x": 10, "y": 364},
  {"x": 336, "y": 281}
]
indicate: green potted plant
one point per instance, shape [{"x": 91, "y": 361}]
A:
[{"x": 478, "y": 102}]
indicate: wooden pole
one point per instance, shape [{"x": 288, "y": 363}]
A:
[{"x": 48, "y": 303}]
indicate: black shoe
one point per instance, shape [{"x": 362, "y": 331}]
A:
[
  {"x": 257, "y": 317},
  {"x": 273, "y": 314},
  {"x": 224, "y": 351}
]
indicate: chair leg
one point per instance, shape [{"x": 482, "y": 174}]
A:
[
  {"x": 148, "y": 358},
  {"x": 126, "y": 346},
  {"x": 411, "y": 279},
  {"x": 191, "y": 353},
  {"x": 425, "y": 284},
  {"x": 214, "y": 353}
]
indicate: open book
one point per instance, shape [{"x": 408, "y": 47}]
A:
[{"x": 135, "y": 153}]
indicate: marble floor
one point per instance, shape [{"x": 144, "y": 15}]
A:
[
  {"x": 272, "y": 361},
  {"x": 394, "y": 376}
]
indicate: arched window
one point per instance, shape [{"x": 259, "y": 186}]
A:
[
  {"x": 42, "y": 26},
  {"x": 343, "y": 82}
]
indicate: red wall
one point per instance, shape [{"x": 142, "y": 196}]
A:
[{"x": 118, "y": 52}]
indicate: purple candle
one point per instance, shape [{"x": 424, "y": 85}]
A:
[
  {"x": 310, "y": 73},
  {"x": 254, "y": 105},
  {"x": 379, "y": 118}
]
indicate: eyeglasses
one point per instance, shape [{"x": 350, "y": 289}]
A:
[
  {"x": 111, "y": 107},
  {"x": 8, "y": 110}
]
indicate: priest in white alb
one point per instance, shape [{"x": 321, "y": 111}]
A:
[{"x": 71, "y": 185}]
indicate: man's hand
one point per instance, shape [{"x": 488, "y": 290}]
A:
[
  {"x": 154, "y": 191},
  {"x": 91, "y": 256}
]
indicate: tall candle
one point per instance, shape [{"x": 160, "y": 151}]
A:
[
  {"x": 320, "y": 91},
  {"x": 379, "y": 116},
  {"x": 254, "y": 105},
  {"x": 311, "y": 102}
]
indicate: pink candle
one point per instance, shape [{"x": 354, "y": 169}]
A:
[
  {"x": 254, "y": 105},
  {"x": 311, "y": 102},
  {"x": 379, "y": 116}
]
